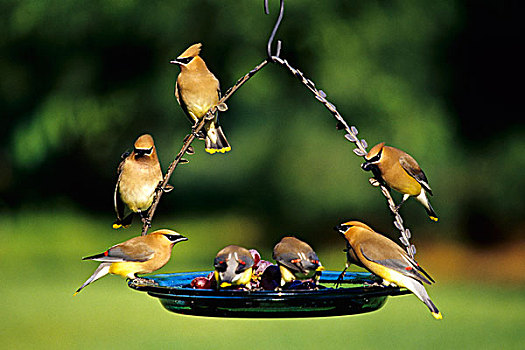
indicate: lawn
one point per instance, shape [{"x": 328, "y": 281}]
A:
[{"x": 41, "y": 268}]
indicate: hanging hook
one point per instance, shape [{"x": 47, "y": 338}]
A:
[{"x": 270, "y": 41}]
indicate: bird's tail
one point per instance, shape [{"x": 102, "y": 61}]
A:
[
  {"x": 422, "y": 198},
  {"x": 101, "y": 271},
  {"x": 419, "y": 291},
  {"x": 215, "y": 139},
  {"x": 126, "y": 222}
]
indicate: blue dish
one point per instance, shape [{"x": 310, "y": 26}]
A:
[{"x": 358, "y": 293}]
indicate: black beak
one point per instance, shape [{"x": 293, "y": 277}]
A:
[
  {"x": 341, "y": 228},
  {"x": 180, "y": 239},
  {"x": 366, "y": 166}
]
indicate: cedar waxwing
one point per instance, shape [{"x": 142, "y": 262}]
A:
[
  {"x": 296, "y": 260},
  {"x": 233, "y": 266},
  {"x": 386, "y": 259},
  {"x": 139, "y": 175},
  {"x": 197, "y": 90},
  {"x": 401, "y": 172},
  {"x": 138, "y": 255}
]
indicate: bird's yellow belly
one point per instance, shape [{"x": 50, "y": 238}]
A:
[
  {"x": 125, "y": 269},
  {"x": 387, "y": 274},
  {"x": 198, "y": 109},
  {"x": 403, "y": 183}
]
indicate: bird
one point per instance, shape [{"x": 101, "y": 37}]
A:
[
  {"x": 296, "y": 260},
  {"x": 139, "y": 176},
  {"x": 197, "y": 90},
  {"x": 401, "y": 172},
  {"x": 384, "y": 258},
  {"x": 233, "y": 267},
  {"x": 138, "y": 255}
]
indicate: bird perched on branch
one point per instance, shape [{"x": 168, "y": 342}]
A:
[
  {"x": 401, "y": 172},
  {"x": 139, "y": 175},
  {"x": 384, "y": 258},
  {"x": 296, "y": 260},
  {"x": 138, "y": 255},
  {"x": 233, "y": 267},
  {"x": 197, "y": 90}
]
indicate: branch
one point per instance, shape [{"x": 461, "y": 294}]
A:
[
  {"x": 187, "y": 142},
  {"x": 360, "y": 150}
]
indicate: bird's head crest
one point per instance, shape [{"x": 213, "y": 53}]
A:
[
  {"x": 144, "y": 142},
  {"x": 375, "y": 152},
  {"x": 191, "y": 51}
]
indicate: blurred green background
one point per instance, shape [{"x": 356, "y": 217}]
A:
[{"x": 82, "y": 80}]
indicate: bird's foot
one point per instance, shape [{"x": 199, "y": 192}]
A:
[
  {"x": 199, "y": 135},
  {"x": 373, "y": 284},
  {"x": 340, "y": 279},
  {"x": 140, "y": 281},
  {"x": 388, "y": 284},
  {"x": 146, "y": 221}
]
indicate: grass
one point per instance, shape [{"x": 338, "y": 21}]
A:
[{"x": 41, "y": 269}]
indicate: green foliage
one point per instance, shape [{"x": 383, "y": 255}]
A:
[{"x": 80, "y": 81}]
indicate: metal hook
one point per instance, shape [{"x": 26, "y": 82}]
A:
[{"x": 270, "y": 41}]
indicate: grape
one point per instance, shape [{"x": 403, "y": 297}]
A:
[
  {"x": 256, "y": 257},
  {"x": 201, "y": 283}
]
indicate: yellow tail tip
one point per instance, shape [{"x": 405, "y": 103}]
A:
[
  {"x": 74, "y": 294},
  {"x": 117, "y": 226},
  {"x": 214, "y": 150},
  {"x": 437, "y": 315},
  {"x": 433, "y": 218}
]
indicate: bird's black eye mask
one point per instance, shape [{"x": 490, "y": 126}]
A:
[
  {"x": 376, "y": 158},
  {"x": 175, "y": 238},
  {"x": 143, "y": 152},
  {"x": 184, "y": 60},
  {"x": 220, "y": 264},
  {"x": 366, "y": 166}
]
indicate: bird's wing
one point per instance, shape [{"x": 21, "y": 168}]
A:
[
  {"x": 293, "y": 262},
  {"x": 182, "y": 104},
  {"x": 412, "y": 168},
  {"x": 117, "y": 201},
  {"x": 138, "y": 251},
  {"x": 395, "y": 259}
]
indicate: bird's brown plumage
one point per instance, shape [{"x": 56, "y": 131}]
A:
[
  {"x": 139, "y": 174},
  {"x": 401, "y": 172},
  {"x": 386, "y": 259},
  {"x": 233, "y": 266},
  {"x": 296, "y": 259},
  {"x": 197, "y": 90},
  {"x": 138, "y": 255}
]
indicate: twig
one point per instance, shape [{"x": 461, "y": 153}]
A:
[
  {"x": 189, "y": 139},
  {"x": 351, "y": 135}
]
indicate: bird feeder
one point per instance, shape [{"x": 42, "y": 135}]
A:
[
  {"x": 335, "y": 295},
  {"x": 359, "y": 292}
]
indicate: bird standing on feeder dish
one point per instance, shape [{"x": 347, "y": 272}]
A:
[
  {"x": 233, "y": 267},
  {"x": 384, "y": 258},
  {"x": 197, "y": 90},
  {"x": 139, "y": 175},
  {"x": 401, "y": 172},
  {"x": 296, "y": 260},
  {"x": 138, "y": 255}
]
